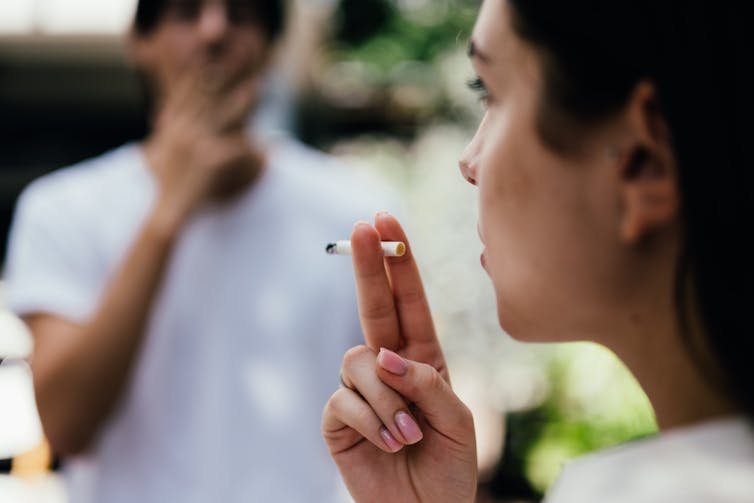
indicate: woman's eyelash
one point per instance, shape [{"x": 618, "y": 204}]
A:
[{"x": 476, "y": 84}]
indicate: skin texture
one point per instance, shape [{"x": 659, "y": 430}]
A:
[
  {"x": 579, "y": 246},
  {"x": 205, "y": 72}
]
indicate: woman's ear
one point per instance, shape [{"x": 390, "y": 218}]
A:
[{"x": 648, "y": 176}]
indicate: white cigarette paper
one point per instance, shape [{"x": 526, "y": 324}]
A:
[{"x": 389, "y": 248}]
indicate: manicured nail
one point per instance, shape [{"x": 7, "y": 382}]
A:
[
  {"x": 409, "y": 429},
  {"x": 392, "y": 362},
  {"x": 392, "y": 444}
]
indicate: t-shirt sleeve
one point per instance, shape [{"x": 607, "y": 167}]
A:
[{"x": 51, "y": 265}]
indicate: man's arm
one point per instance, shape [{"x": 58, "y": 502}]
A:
[{"x": 80, "y": 370}]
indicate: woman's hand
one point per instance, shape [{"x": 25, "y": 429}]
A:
[{"x": 395, "y": 429}]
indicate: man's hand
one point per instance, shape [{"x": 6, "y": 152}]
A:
[{"x": 200, "y": 149}]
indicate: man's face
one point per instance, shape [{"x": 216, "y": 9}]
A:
[{"x": 220, "y": 40}]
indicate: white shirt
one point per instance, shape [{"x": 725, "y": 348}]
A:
[
  {"x": 712, "y": 462},
  {"x": 246, "y": 337}
]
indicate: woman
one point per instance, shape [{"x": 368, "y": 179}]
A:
[{"x": 613, "y": 195}]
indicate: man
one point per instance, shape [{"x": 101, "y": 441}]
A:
[{"x": 187, "y": 322}]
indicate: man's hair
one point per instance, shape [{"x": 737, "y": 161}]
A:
[{"x": 271, "y": 15}]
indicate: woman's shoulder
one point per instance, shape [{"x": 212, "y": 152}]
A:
[{"x": 711, "y": 461}]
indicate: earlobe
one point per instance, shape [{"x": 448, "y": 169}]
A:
[{"x": 649, "y": 195}]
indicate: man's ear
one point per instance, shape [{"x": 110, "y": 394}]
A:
[{"x": 648, "y": 175}]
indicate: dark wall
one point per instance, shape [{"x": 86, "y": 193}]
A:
[{"x": 62, "y": 99}]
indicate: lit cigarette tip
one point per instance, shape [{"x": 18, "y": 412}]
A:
[{"x": 389, "y": 248}]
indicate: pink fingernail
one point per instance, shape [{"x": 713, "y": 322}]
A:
[
  {"x": 409, "y": 429},
  {"x": 392, "y": 362},
  {"x": 392, "y": 444},
  {"x": 359, "y": 223}
]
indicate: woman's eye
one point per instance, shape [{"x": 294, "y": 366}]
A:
[{"x": 477, "y": 85}]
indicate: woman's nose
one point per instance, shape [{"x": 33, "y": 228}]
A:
[
  {"x": 469, "y": 160},
  {"x": 467, "y": 171}
]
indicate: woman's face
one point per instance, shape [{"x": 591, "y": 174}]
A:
[{"x": 549, "y": 221}]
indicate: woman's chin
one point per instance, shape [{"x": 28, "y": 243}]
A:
[
  {"x": 508, "y": 322},
  {"x": 522, "y": 328},
  {"x": 517, "y": 323}
]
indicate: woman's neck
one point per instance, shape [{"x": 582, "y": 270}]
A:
[{"x": 677, "y": 377}]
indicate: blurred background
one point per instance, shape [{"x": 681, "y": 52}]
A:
[{"x": 380, "y": 84}]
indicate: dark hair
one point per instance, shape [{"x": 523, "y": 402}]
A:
[
  {"x": 698, "y": 56},
  {"x": 271, "y": 15}
]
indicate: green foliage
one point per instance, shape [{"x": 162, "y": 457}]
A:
[
  {"x": 594, "y": 403},
  {"x": 418, "y": 34}
]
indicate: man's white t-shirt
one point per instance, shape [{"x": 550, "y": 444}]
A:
[
  {"x": 246, "y": 337},
  {"x": 712, "y": 462}
]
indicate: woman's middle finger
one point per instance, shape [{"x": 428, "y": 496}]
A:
[{"x": 379, "y": 318}]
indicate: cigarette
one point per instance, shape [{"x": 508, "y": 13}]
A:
[{"x": 389, "y": 248}]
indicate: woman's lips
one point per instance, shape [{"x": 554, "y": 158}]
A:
[{"x": 481, "y": 238}]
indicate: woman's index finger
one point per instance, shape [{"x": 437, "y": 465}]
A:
[{"x": 377, "y": 312}]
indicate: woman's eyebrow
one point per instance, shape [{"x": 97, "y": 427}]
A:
[{"x": 474, "y": 52}]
